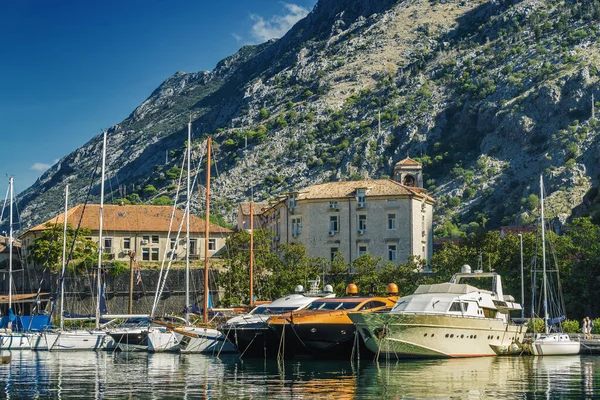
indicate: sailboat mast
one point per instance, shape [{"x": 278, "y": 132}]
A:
[
  {"x": 64, "y": 258},
  {"x": 251, "y": 253},
  {"x": 100, "y": 243},
  {"x": 206, "y": 230},
  {"x": 187, "y": 225},
  {"x": 10, "y": 244},
  {"x": 544, "y": 283}
]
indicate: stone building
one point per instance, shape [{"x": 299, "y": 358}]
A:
[
  {"x": 142, "y": 229},
  {"x": 382, "y": 217}
]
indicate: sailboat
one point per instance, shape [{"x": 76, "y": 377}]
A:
[
  {"x": 78, "y": 339},
  {"x": 9, "y": 338},
  {"x": 202, "y": 339},
  {"x": 161, "y": 334},
  {"x": 550, "y": 343}
]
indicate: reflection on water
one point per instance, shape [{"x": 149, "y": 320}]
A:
[{"x": 90, "y": 375}]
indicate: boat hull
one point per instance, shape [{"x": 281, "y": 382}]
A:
[
  {"x": 161, "y": 339},
  {"x": 435, "y": 336},
  {"x": 317, "y": 340},
  {"x": 204, "y": 340},
  {"x": 15, "y": 341},
  {"x": 72, "y": 340},
  {"x": 554, "y": 345},
  {"x": 130, "y": 340},
  {"x": 253, "y": 340}
]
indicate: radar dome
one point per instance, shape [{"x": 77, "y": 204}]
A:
[
  {"x": 392, "y": 289},
  {"x": 465, "y": 269},
  {"x": 328, "y": 289},
  {"x": 351, "y": 289},
  {"x": 299, "y": 289}
]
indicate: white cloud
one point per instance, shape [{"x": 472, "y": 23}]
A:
[
  {"x": 237, "y": 38},
  {"x": 38, "y": 166},
  {"x": 278, "y": 25}
]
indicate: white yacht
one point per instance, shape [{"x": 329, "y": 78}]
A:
[{"x": 453, "y": 319}]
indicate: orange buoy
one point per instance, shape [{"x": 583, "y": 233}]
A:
[
  {"x": 392, "y": 289},
  {"x": 352, "y": 289}
]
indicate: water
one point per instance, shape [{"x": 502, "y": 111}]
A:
[{"x": 102, "y": 375}]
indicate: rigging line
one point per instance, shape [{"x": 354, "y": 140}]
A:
[
  {"x": 5, "y": 201},
  {"x": 72, "y": 248},
  {"x": 158, "y": 292}
]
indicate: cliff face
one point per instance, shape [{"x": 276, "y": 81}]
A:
[{"x": 488, "y": 95}]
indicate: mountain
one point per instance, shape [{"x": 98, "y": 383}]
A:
[{"x": 488, "y": 95}]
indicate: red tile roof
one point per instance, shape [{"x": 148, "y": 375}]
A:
[
  {"x": 409, "y": 161},
  {"x": 374, "y": 187},
  {"x": 129, "y": 218}
]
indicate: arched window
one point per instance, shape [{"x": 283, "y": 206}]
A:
[{"x": 409, "y": 180}]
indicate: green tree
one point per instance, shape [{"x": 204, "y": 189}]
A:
[
  {"x": 46, "y": 250},
  {"x": 162, "y": 201}
]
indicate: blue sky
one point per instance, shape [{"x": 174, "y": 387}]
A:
[{"x": 70, "y": 68}]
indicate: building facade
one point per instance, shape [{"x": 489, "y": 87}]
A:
[
  {"x": 142, "y": 231},
  {"x": 382, "y": 217}
]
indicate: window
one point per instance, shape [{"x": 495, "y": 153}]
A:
[
  {"x": 212, "y": 244},
  {"x": 145, "y": 254},
  {"x": 391, "y": 221},
  {"x": 154, "y": 254},
  {"x": 292, "y": 202},
  {"x": 392, "y": 252},
  {"x": 372, "y": 304},
  {"x": 333, "y": 223},
  {"x": 107, "y": 243},
  {"x": 459, "y": 306},
  {"x": 361, "y": 197},
  {"x": 333, "y": 205},
  {"x": 332, "y": 252},
  {"x": 193, "y": 246},
  {"x": 146, "y": 239},
  {"x": 154, "y": 239},
  {"x": 173, "y": 243},
  {"x": 296, "y": 226},
  {"x": 362, "y": 250},
  {"x": 362, "y": 222},
  {"x": 127, "y": 243}
]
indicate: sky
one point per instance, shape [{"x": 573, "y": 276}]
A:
[{"x": 71, "y": 68}]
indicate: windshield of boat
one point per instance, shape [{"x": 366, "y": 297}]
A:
[
  {"x": 272, "y": 310},
  {"x": 345, "y": 304}
]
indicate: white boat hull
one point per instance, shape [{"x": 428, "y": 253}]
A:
[
  {"x": 204, "y": 340},
  {"x": 15, "y": 341},
  {"x": 414, "y": 335},
  {"x": 162, "y": 339},
  {"x": 73, "y": 340},
  {"x": 554, "y": 344}
]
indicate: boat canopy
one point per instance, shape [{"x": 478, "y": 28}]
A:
[{"x": 456, "y": 288}]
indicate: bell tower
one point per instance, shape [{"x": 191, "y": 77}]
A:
[{"x": 409, "y": 173}]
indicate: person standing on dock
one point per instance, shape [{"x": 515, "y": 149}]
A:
[{"x": 585, "y": 327}]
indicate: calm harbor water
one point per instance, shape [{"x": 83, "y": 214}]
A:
[{"x": 91, "y": 375}]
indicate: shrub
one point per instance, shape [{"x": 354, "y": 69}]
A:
[
  {"x": 536, "y": 325},
  {"x": 454, "y": 201},
  {"x": 162, "y": 201},
  {"x": 571, "y": 326},
  {"x": 117, "y": 268}
]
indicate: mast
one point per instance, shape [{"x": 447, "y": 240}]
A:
[
  {"x": 544, "y": 283},
  {"x": 206, "y": 230},
  {"x": 64, "y": 258},
  {"x": 251, "y": 253},
  {"x": 100, "y": 243},
  {"x": 10, "y": 245},
  {"x": 187, "y": 225}
]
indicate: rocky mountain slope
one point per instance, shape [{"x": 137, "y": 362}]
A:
[{"x": 488, "y": 95}]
